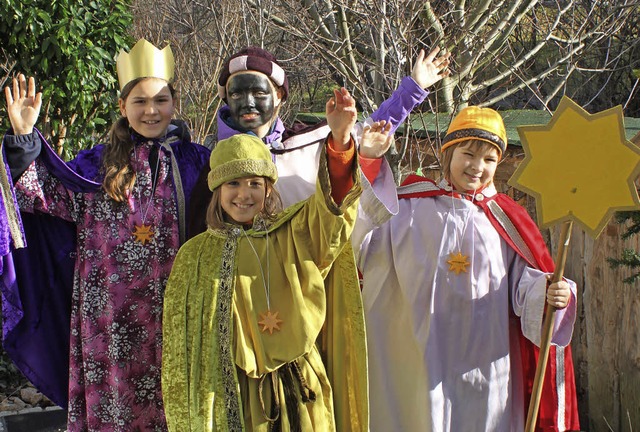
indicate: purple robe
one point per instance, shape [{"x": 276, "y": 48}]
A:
[{"x": 37, "y": 281}]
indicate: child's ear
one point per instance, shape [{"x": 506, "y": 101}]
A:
[
  {"x": 123, "y": 111},
  {"x": 279, "y": 96}
]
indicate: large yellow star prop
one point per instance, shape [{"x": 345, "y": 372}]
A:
[{"x": 579, "y": 167}]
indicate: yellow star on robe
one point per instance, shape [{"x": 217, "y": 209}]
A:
[
  {"x": 143, "y": 233},
  {"x": 457, "y": 262},
  {"x": 269, "y": 322},
  {"x": 579, "y": 167}
]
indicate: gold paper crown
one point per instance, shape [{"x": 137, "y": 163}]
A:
[{"x": 144, "y": 60}]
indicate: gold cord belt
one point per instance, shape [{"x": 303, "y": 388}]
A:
[{"x": 287, "y": 375}]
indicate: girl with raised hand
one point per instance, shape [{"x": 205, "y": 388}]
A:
[{"x": 121, "y": 207}]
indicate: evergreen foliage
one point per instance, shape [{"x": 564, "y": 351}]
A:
[
  {"x": 69, "y": 47},
  {"x": 630, "y": 258}
]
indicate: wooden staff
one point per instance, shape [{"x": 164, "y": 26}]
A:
[{"x": 547, "y": 329}]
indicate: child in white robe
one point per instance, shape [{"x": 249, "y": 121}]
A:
[{"x": 451, "y": 284}]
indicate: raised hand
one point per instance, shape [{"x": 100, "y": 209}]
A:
[
  {"x": 341, "y": 117},
  {"x": 429, "y": 70},
  {"x": 376, "y": 139},
  {"x": 23, "y": 104}
]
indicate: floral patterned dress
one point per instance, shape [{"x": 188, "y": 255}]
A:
[{"x": 120, "y": 275}]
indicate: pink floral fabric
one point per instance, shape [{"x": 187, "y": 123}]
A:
[{"x": 116, "y": 317}]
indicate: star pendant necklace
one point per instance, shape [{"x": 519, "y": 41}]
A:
[
  {"x": 458, "y": 262},
  {"x": 268, "y": 320},
  {"x": 143, "y": 232}
]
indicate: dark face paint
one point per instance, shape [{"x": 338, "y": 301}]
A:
[{"x": 251, "y": 99}]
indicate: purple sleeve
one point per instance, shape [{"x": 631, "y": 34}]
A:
[{"x": 403, "y": 100}]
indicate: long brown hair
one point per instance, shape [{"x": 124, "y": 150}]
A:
[
  {"x": 119, "y": 175},
  {"x": 272, "y": 206}
]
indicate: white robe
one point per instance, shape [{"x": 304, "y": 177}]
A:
[{"x": 439, "y": 342}]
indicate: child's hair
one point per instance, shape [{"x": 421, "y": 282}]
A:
[
  {"x": 272, "y": 206},
  {"x": 276, "y": 110},
  {"x": 119, "y": 176},
  {"x": 447, "y": 153}
]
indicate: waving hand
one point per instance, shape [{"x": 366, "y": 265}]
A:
[{"x": 23, "y": 104}]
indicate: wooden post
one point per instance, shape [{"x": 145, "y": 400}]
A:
[{"x": 547, "y": 330}]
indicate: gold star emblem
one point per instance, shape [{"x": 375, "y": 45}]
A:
[
  {"x": 579, "y": 167},
  {"x": 457, "y": 262},
  {"x": 143, "y": 233},
  {"x": 269, "y": 322}
]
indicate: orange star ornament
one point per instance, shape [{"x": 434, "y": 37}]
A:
[
  {"x": 458, "y": 262},
  {"x": 143, "y": 233},
  {"x": 579, "y": 167},
  {"x": 269, "y": 322}
]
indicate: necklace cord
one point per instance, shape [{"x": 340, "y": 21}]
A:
[
  {"x": 460, "y": 238},
  {"x": 266, "y": 282},
  {"x": 154, "y": 183}
]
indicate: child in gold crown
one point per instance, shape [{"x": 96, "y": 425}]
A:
[
  {"x": 110, "y": 223},
  {"x": 245, "y": 306},
  {"x": 454, "y": 291}
]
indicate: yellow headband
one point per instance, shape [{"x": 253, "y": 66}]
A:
[{"x": 144, "y": 60}]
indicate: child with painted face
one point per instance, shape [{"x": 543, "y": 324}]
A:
[
  {"x": 255, "y": 86},
  {"x": 465, "y": 271},
  {"x": 245, "y": 307},
  {"x": 253, "y": 102},
  {"x": 115, "y": 217}
]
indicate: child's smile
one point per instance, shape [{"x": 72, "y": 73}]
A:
[
  {"x": 149, "y": 107},
  {"x": 242, "y": 199},
  {"x": 473, "y": 168},
  {"x": 252, "y": 100}
]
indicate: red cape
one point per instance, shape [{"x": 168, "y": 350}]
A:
[{"x": 506, "y": 215}]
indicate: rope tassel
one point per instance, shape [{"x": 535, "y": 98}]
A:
[{"x": 293, "y": 384}]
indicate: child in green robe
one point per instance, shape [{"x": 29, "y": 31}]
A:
[{"x": 246, "y": 304}]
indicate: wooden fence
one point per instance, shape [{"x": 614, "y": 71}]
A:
[{"x": 606, "y": 338}]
